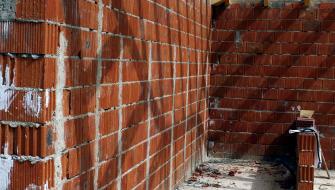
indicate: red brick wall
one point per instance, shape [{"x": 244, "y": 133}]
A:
[
  {"x": 269, "y": 62},
  {"x": 104, "y": 94}
]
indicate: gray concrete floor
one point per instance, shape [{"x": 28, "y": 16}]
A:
[
  {"x": 248, "y": 175},
  {"x": 321, "y": 182}
]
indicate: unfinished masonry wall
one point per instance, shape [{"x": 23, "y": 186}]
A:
[
  {"x": 271, "y": 62},
  {"x": 102, "y": 94}
]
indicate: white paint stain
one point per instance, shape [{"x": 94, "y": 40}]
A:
[
  {"x": 6, "y": 165},
  {"x": 7, "y": 95},
  {"x": 5, "y": 30},
  {"x": 46, "y": 186},
  {"x": 36, "y": 187},
  {"x": 32, "y": 187},
  {"x": 6, "y": 98},
  {"x": 32, "y": 103},
  {"x": 5, "y": 149},
  {"x": 47, "y": 98}
]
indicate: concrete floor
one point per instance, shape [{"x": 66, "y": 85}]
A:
[
  {"x": 322, "y": 183},
  {"x": 248, "y": 175}
]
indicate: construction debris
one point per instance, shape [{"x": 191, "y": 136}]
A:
[{"x": 239, "y": 174}]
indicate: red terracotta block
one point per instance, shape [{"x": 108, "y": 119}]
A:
[
  {"x": 305, "y": 174},
  {"x": 131, "y": 6},
  {"x": 159, "y": 159},
  {"x": 72, "y": 13},
  {"x": 325, "y": 5},
  {"x": 311, "y": 25},
  {"x": 181, "y": 85},
  {"x": 109, "y": 122},
  {"x": 150, "y": 31},
  {"x": 160, "y": 124},
  {"x": 110, "y": 47},
  {"x": 80, "y": 72},
  {"x": 134, "y": 135},
  {"x": 179, "y": 131},
  {"x": 306, "y": 158},
  {"x": 26, "y": 72},
  {"x": 83, "y": 181},
  {"x": 134, "y": 156},
  {"x": 24, "y": 37},
  {"x": 135, "y": 49},
  {"x": 134, "y": 92},
  {"x": 158, "y": 177},
  {"x": 110, "y": 72},
  {"x": 30, "y": 106},
  {"x": 79, "y": 131},
  {"x": 161, "y": 88},
  {"x": 108, "y": 147},
  {"x": 161, "y": 52},
  {"x": 109, "y": 96},
  {"x": 161, "y": 106},
  {"x": 135, "y": 178},
  {"x": 79, "y": 101},
  {"x": 328, "y": 26},
  {"x": 159, "y": 142},
  {"x": 80, "y": 43},
  {"x": 304, "y": 186},
  {"x": 38, "y": 9},
  {"x": 134, "y": 114},
  {"x": 160, "y": 71},
  {"x": 26, "y": 141},
  {"x": 81, "y": 159},
  {"x": 111, "y": 21},
  {"x": 41, "y": 174},
  {"x": 181, "y": 70},
  {"x": 135, "y": 71},
  {"x": 130, "y": 26},
  {"x": 69, "y": 12}
]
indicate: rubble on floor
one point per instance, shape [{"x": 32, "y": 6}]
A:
[
  {"x": 248, "y": 175},
  {"x": 240, "y": 175}
]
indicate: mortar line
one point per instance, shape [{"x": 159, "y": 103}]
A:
[
  {"x": 196, "y": 107},
  {"x": 207, "y": 95},
  {"x": 119, "y": 176},
  {"x": 58, "y": 120},
  {"x": 186, "y": 111},
  {"x": 172, "y": 116},
  {"x": 98, "y": 94},
  {"x": 149, "y": 118}
]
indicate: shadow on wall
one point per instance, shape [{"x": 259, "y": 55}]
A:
[
  {"x": 244, "y": 81},
  {"x": 132, "y": 118}
]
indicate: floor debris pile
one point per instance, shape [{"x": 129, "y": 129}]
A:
[
  {"x": 239, "y": 175},
  {"x": 249, "y": 175}
]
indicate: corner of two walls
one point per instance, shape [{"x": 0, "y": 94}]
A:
[
  {"x": 102, "y": 94},
  {"x": 270, "y": 62}
]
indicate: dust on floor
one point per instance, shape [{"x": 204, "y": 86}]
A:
[
  {"x": 249, "y": 175},
  {"x": 239, "y": 175},
  {"x": 323, "y": 183}
]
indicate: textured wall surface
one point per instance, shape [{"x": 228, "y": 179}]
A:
[
  {"x": 103, "y": 94},
  {"x": 270, "y": 63}
]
